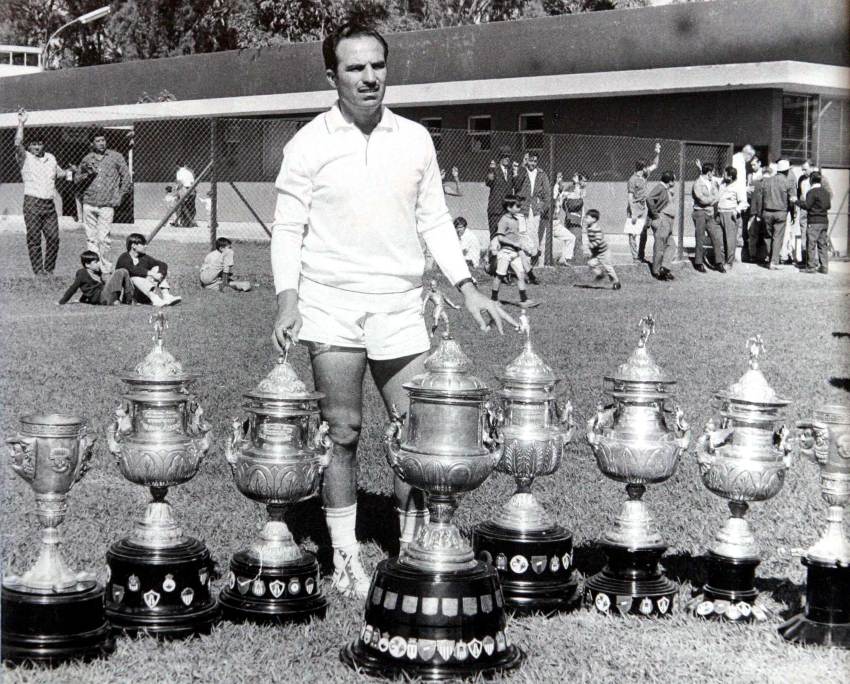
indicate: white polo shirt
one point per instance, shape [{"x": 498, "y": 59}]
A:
[
  {"x": 39, "y": 175},
  {"x": 351, "y": 210}
]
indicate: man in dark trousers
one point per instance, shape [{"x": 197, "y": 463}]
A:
[
  {"x": 533, "y": 183},
  {"x": 662, "y": 213},
  {"x": 501, "y": 181},
  {"x": 817, "y": 205},
  {"x": 778, "y": 196}
]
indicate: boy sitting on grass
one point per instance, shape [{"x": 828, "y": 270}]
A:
[
  {"x": 507, "y": 245},
  {"x": 146, "y": 273},
  {"x": 600, "y": 256},
  {"x": 217, "y": 267},
  {"x": 118, "y": 289}
]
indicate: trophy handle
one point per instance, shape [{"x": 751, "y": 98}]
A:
[
  {"x": 564, "y": 411},
  {"x": 325, "y": 443},
  {"x": 708, "y": 443},
  {"x": 86, "y": 447},
  {"x": 604, "y": 418},
  {"x": 23, "y": 451},
  {"x": 392, "y": 442},
  {"x": 234, "y": 445},
  {"x": 783, "y": 443},
  {"x": 121, "y": 427},
  {"x": 199, "y": 428},
  {"x": 494, "y": 419},
  {"x": 812, "y": 441},
  {"x": 682, "y": 429}
]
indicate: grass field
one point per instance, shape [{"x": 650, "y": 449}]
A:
[{"x": 66, "y": 359}]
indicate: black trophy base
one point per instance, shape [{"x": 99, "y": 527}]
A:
[
  {"x": 161, "y": 592},
  {"x": 50, "y": 629},
  {"x": 730, "y": 592},
  {"x": 433, "y": 626},
  {"x": 535, "y": 568},
  {"x": 272, "y": 594},
  {"x": 825, "y": 620},
  {"x": 632, "y": 583}
]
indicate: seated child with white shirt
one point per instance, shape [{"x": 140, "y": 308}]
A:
[{"x": 216, "y": 271}]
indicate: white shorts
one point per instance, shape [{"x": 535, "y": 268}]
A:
[
  {"x": 508, "y": 258},
  {"x": 384, "y": 335}
]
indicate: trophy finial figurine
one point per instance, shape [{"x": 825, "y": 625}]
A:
[
  {"x": 647, "y": 328},
  {"x": 755, "y": 346},
  {"x": 160, "y": 325},
  {"x": 438, "y": 314},
  {"x": 51, "y": 613}
]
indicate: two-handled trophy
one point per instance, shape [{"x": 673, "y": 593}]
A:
[
  {"x": 742, "y": 460},
  {"x": 825, "y": 619},
  {"x": 51, "y": 614},
  {"x": 277, "y": 453},
  {"x": 531, "y": 551},
  {"x": 435, "y": 612},
  {"x": 159, "y": 578},
  {"x": 633, "y": 443}
]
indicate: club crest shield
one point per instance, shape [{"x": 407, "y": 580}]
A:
[
  {"x": 294, "y": 586},
  {"x": 412, "y": 648},
  {"x": 117, "y": 593},
  {"x": 663, "y": 605},
  {"x": 445, "y": 647},
  {"x": 276, "y": 587},
  {"x": 646, "y": 606},
  {"x": 427, "y": 648},
  {"x": 475, "y": 648},
  {"x": 258, "y": 587},
  {"x": 186, "y": 596},
  {"x": 461, "y": 650},
  {"x": 538, "y": 564},
  {"x": 133, "y": 583},
  {"x": 309, "y": 585},
  {"x": 243, "y": 585},
  {"x": 398, "y": 646},
  {"x": 168, "y": 584},
  {"x": 151, "y": 598},
  {"x": 488, "y": 643}
]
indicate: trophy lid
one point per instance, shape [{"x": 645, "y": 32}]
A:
[
  {"x": 527, "y": 368},
  {"x": 282, "y": 383},
  {"x": 448, "y": 371},
  {"x": 753, "y": 387},
  {"x": 641, "y": 367},
  {"x": 159, "y": 366}
]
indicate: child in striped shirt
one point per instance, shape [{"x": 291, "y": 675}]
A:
[{"x": 600, "y": 255}]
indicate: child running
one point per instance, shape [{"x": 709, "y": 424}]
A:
[{"x": 600, "y": 256}]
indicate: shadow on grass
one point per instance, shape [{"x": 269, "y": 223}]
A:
[
  {"x": 840, "y": 383},
  {"x": 841, "y": 335},
  {"x": 591, "y": 286}
]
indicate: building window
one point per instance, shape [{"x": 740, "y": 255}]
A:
[
  {"x": 435, "y": 128},
  {"x": 531, "y": 131},
  {"x": 32, "y": 59},
  {"x": 832, "y": 133},
  {"x": 480, "y": 129},
  {"x": 19, "y": 58},
  {"x": 798, "y": 113}
]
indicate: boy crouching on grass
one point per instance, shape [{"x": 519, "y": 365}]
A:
[
  {"x": 216, "y": 269},
  {"x": 118, "y": 289},
  {"x": 600, "y": 256},
  {"x": 147, "y": 274},
  {"x": 508, "y": 246}
]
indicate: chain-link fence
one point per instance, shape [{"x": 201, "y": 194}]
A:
[{"x": 233, "y": 162}]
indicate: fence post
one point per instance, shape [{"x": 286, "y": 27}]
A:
[
  {"x": 681, "y": 254},
  {"x": 548, "y": 259},
  {"x": 213, "y": 186}
]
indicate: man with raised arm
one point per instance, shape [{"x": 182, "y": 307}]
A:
[{"x": 358, "y": 187}]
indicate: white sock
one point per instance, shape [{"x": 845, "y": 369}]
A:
[
  {"x": 409, "y": 523},
  {"x": 341, "y": 523}
]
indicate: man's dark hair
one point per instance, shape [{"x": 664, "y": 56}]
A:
[
  {"x": 593, "y": 213},
  {"x": 815, "y": 177},
  {"x": 222, "y": 242},
  {"x": 510, "y": 200},
  {"x": 135, "y": 239},
  {"x": 35, "y": 140},
  {"x": 88, "y": 257},
  {"x": 460, "y": 221},
  {"x": 732, "y": 172},
  {"x": 707, "y": 167},
  {"x": 640, "y": 165},
  {"x": 668, "y": 177},
  {"x": 533, "y": 155},
  {"x": 348, "y": 30},
  {"x": 96, "y": 132}
]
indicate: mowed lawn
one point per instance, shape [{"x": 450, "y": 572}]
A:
[{"x": 67, "y": 359}]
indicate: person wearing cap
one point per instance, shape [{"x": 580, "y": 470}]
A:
[
  {"x": 39, "y": 171},
  {"x": 778, "y": 197},
  {"x": 501, "y": 180},
  {"x": 358, "y": 192}
]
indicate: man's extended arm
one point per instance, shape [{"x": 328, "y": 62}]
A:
[
  {"x": 71, "y": 290},
  {"x": 656, "y": 159},
  {"x": 20, "y": 150}
]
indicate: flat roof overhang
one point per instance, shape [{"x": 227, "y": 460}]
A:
[{"x": 787, "y": 75}]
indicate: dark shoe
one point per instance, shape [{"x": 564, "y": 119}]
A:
[
  {"x": 532, "y": 278},
  {"x": 666, "y": 275},
  {"x": 823, "y": 270},
  {"x": 599, "y": 276},
  {"x": 721, "y": 268},
  {"x": 700, "y": 268},
  {"x": 616, "y": 286}
]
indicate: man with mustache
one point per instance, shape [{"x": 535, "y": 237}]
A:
[{"x": 358, "y": 187}]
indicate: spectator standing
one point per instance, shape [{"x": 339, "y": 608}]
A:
[
  {"x": 104, "y": 180},
  {"x": 803, "y": 186},
  {"x": 187, "y": 197},
  {"x": 741, "y": 163},
  {"x": 817, "y": 205},
  {"x": 534, "y": 184},
  {"x": 572, "y": 201},
  {"x": 661, "y": 209},
  {"x": 731, "y": 202},
  {"x": 705, "y": 194},
  {"x": 39, "y": 171},
  {"x": 636, "y": 221},
  {"x": 750, "y": 218},
  {"x": 501, "y": 180},
  {"x": 779, "y": 195}
]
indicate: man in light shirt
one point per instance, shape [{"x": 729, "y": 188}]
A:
[
  {"x": 39, "y": 172},
  {"x": 731, "y": 201},
  {"x": 358, "y": 187}
]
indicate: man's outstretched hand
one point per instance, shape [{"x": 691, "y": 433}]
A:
[{"x": 478, "y": 305}]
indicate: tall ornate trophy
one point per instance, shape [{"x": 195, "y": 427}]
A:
[
  {"x": 745, "y": 460},
  {"x": 532, "y": 553},
  {"x": 633, "y": 443},
  {"x": 52, "y": 614},
  {"x": 435, "y": 612},
  {"x": 277, "y": 454},
  {"x": 159, "y": 578},
  {"x": 826, "y": 617}
]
